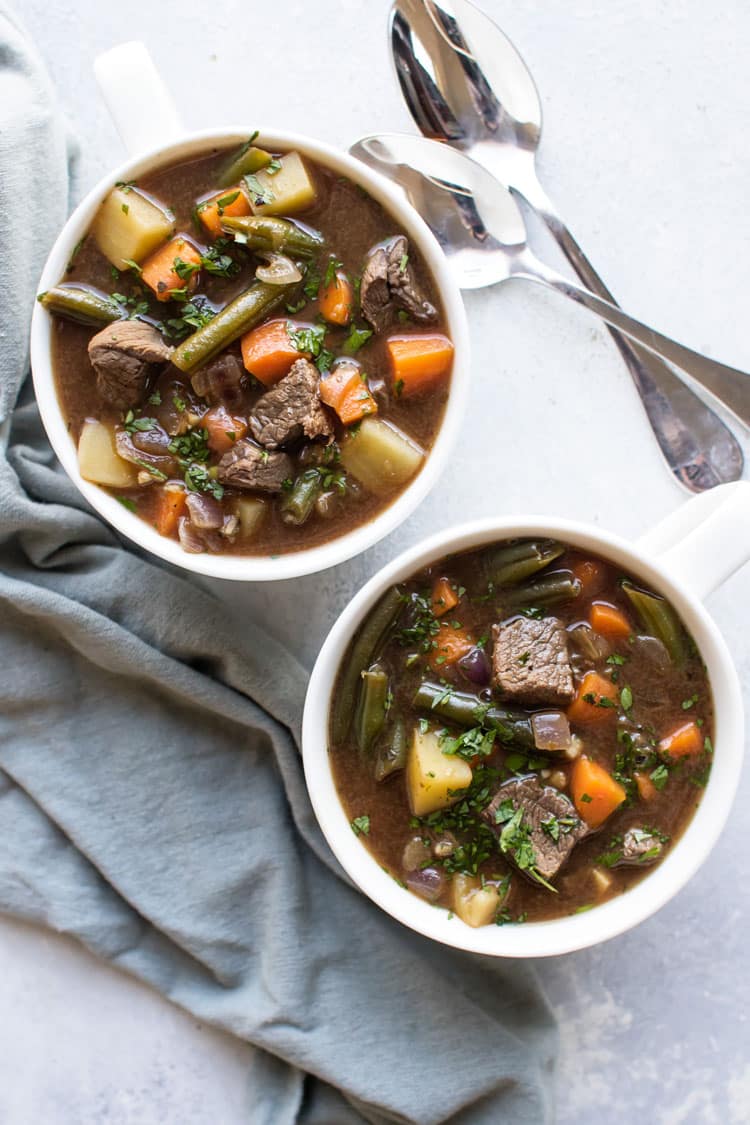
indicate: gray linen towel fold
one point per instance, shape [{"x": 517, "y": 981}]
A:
[{"x": 152, "y": 802}]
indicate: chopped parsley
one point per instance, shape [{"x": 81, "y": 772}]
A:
[
  {"x": 194, "y": 314},
  {"x": 356, "y": 339},
  {"x": 473, "y": 743},
  {"x": 660, "y": 776},
  {"x": 128, "y": 503},
  {"x": 691, "y": 702},
  {"x": 626, "y": 698},
  {"x": 198, "y": 479},
  {"x": 192, "y": 446},
  {"x": 260, "y": 195},
  {"x": 312, "y": 340},
  {"x": 515, "y": 840},
  {"x": 361, "y": 825},
  {"x": 155, "y": 398},
  {"x": 334, "y": 265},
  {"x": 133, "y": 425}
]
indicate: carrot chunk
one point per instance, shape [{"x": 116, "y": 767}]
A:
[
  {"x": 346, "y": 391},
  {"x": 268, "y": 351},
  {"x": 451, "y": 643},
  {"x": 419, "y": 362},
  {"x": 170, "y": 505},
  {"x": 595, "y": 792},
  {"x": 646, "y": 788},
  {"x": 233, "y": 202},
  {"x": 223, "y": 428},
  {"x": 592, "y": 576},
  {"x": 609, "y": 621},
  {"x": 595, "y": 701},
  {"x": 336, "y": 299},
  {"x": 173, "y": 266},
  {"x": 684, "y": 740},
  {"x": 444, "y": 597}
]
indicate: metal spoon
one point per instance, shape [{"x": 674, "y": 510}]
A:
[
  {"x": 465, "y": 83},
  {"x": 480, "y": 228}
]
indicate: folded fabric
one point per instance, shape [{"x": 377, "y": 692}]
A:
[{"x": 152, "y": 802}]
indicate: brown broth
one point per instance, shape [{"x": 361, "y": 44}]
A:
[
  {"x": 352, "y": 223},
  {"x": 661, "y": 700}
]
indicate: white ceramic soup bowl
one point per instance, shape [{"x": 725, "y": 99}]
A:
[
  {"x": 684, "y": 558},
  {"x": 149, "y": 126}
]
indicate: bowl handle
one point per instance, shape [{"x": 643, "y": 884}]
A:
[
  {"x": 137, "y": 98},
  {"x": 705, "y": 540}
]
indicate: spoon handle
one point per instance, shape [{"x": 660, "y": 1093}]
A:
[
  {"x": 728, "y": 384},
  {"x": 699, "y": 448}
]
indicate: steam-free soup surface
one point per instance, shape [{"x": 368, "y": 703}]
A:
[
  {"x": 250, "y": 353},
  {"x": 520, "y": 732}
]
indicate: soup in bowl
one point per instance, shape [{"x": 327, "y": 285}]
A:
[
  {"x": 523, "y": 737},
  {"x": 248, "y": 351}
]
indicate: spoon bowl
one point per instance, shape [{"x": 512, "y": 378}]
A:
[
  {"x": 466, "y": 84},
  {"x": 482, "y": 232}
]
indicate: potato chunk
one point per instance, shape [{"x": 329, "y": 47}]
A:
[
  {"x": 250, "y": 512},
  {"x": 432, "y": 777},
  {"x": 286, "y": 191},
  {"x": 380, "y": 456},
  {"x": 98, "y": 459},
  {"x": 129, "y": 226},
  {"x": 475, "y": 904}
]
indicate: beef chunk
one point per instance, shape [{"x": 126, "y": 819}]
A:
[
  {"x": 249, "y": 466},
  {"x": 292, "y": 410},
  {"x": 542, "y": 825},
  {"x": 530, "y": 661},
  {"x": 124, "y": 356},
  {"x": 388, "y": 284},
  {"x": 639, "y": 847},
  {"x": 221, "y": 381}
]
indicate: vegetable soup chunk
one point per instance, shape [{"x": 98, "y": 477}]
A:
[
  {"x": 254, "y": 330},
  {"x": 524, "y": 730}
]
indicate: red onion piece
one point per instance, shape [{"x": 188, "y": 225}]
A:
[
  {"x": 162, "y": 463},
  {"x": 428, "y": 883},
  {"x": 278, "y": 270},
  {"x": 551, "y": 730},
  {"x": 475, "y": 666},
  {"x": 190, "y": 539},
  {"x": 206, "y": 513}
]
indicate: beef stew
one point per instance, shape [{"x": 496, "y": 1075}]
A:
[
  {"x": 249, "y": 353},
  {"x": 520, "y": 732}
]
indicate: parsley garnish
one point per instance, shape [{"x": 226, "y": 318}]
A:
[
  {"x": 691, "y": 702},
  {"x": 128, "y": 503},
  {"x": 356, "y": 339},
  {"x": 361, "y": 826},
  {"x": 133, "y": 425},
  {"x": 259, "y": 193},
  {"x": 660, "y": 776}
]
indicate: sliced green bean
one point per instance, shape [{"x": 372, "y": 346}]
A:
[
  {"x": 467, "y": 710},
  {"x": 297, "y": 504},
  {"x": 247, "y": 160},
  {"x": 392, "y": 752},
  {"x": 506, "y": 566},
  {"x": 265, "y": 232},
  {"x": 85, "y": 306},
  {"x": 659, "y": 620},
  {"x": 550, "y": 589},
  {"x": 239, "y": 316},
  {"x": 372, "y": 702},
  {"x": 360, "y": 656}
]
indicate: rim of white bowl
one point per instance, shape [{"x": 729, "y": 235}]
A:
[
  {"x": 255, "y": 568},
  {"x": 602, "y": 922}
]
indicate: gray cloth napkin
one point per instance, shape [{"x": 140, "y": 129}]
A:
[{"x": 152, "y": 802}]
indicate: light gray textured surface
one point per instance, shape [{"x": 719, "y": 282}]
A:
[{"x": 645, "y": 151}]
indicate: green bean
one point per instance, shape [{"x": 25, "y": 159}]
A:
[
  {"x": 85, "y": 306},
  {"x": 265, "y": 232},
  {"x": 466, "y": 710},
  {"x": 297, "y": 505},
  {"x": 659, "y": 620},
  {"x": 239, "y": 316},
  {"x": 550, "y": 589},
  {"x": 249, "y": 159},
  {"x": 506, "y": 566},
  {"x": 392, "y": 753},
  {"x": 360, "y": 655},
  {"x": 372, "y": 701}
]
